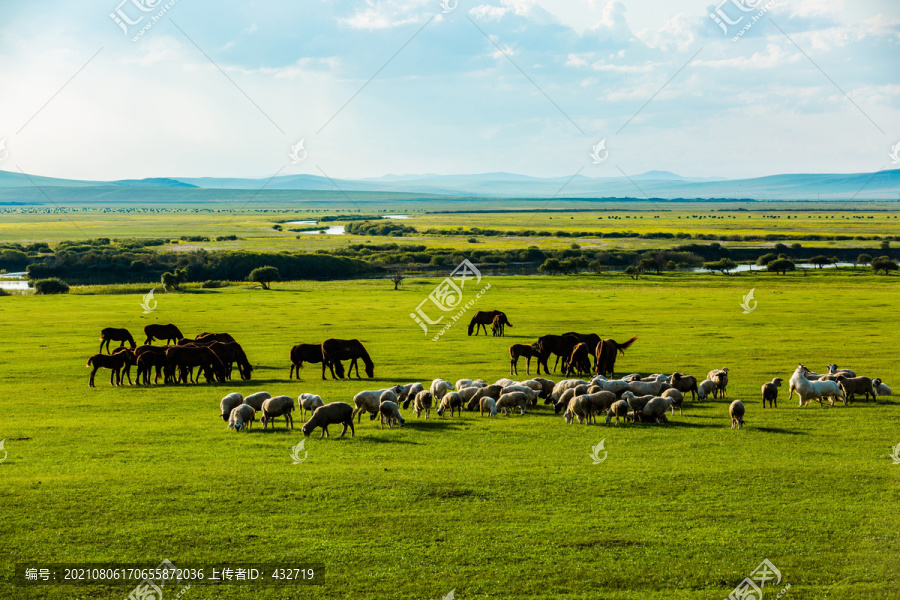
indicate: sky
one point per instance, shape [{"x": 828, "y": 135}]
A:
[{"x": 377, "y": 87}]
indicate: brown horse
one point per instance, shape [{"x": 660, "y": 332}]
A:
[
  {"x": 497, "y": 329},
  {"x": 111, "y": 334},
  {"x": 605, "y": 355},
  {"x": 186, "y": 357},
  {"x": 130, "y": 361},
  {"x": 484, "y": 318},
  {"x": 230, "y": 353},
  {"x": 517, "y": 350},
  {"x": 169, "y": 332},
  {"x": 301, "y": 353},
  {"x": 113, "y": 362},
  {"x": 560, "y": 345},
  {"x": 591, "y": 339},
  {"x": 579, "y": 361},
  {"x": 334, "y": 351},
  {"x": 148, "y": 361}
]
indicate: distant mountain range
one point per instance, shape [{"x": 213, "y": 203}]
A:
[{"x": 882, "y": 185}]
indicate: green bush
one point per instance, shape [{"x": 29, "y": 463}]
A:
[
  {"x": 51, "y": 286},
  {"x": 212, "y": 283}
]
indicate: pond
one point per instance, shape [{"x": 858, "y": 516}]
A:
[
  {"x": 14, "y": 281},
  {"x": 333, "y": 230},
  {"x": 742, "y": 268}
]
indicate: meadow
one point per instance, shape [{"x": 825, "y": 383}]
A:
[{"x": 510, "y": 507}]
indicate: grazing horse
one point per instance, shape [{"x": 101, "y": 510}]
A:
[
  {"x": 334, "y": 351},
  {"x": 130, "y": 361},
  {"x": 230, "y": 353},
  {"x": 113, "y": 362},
  {"x": 111, "y": 334},
  {"x": 605, "y": 355},
  {"x": 186, "y": 357},
  {"x": 208, "y": 338},
  {"x": 150, "y": 360},
  {"x": 301, "y": 353},
  {"x": 517, "y": 350},
  {"x": 169, "y": 332},
  {"x": 484, "y": 318},
  {"x": 560, "y": 345},
  {"x": 591, "y": 339},
  {"x": 579, "y": 361}
]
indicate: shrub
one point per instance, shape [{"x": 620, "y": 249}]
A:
[
  {"x": 212, "y": 283},
  {"x": 724, "y": 265},
  {"x": 765, "y": 259},
  {"x": 884, "y": 263},
  {"x": 864, "y": 259},
  {"x": 264, "y": 276},
  {"x": 781, "y": 265},
  {"x": 51, "y": 286}
]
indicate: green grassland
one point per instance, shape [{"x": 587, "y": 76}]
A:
[{"x": 510, "y": 507}]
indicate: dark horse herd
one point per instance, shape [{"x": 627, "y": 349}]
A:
[
  {"x": 576, "y": 350},
  {"x": 214, "y": 354}
]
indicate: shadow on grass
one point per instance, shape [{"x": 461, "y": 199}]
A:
[
  {"x": 386, "y": 440},
  {"x": 432, "y": 424},
  {"x": 777, "y": 430}
]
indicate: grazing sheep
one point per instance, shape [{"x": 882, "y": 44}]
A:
[
  {"x": 256, "y": 400},
  {"x": 331, "y": 414},
  {"x": 602, "y": 401},
  {"x": 507, "y": 402},
  {"x": 589, "y": 405},
  {"x": 532, "y": 395},
  {"x": 467, "y": 393},
  {"x": 309, "y": 402},
  {"x": 637, "y": 403},
  {"x": 451, "y": 400},
  {"x": 677, "y": 399},
  {"x": 705, "y": 388},
  {"x": 616, "y": 386},
  {"x": 490, "y": 391},
  {"x": 488, "y": 405},
  {"x": 412, "y": 390},
  {"x": 228, "y": 404},
  {"x": 580, "y": 407},
  {"x": 720, "y": 376},
  {"x": 389, "y": 395},
  {"x": 422, "y": 403},
  {"x": 684, "y": 384},
  {"x": 645, "y": 388},
  {"x": 656, "y": 408},
  {"x": 369, "y": 401},
  {"x": 855, "y": 385},
  {"x": 736, "y": 410},
  {"x": 880, "y": 389},
  {"x": 503, "y": 382},
  {"x": 440, "y": 387},
  {"x": 464, "y": 383},
  {"x": 618, "y": 409},
  {"x": 631, "y": 377},
  {"x": 279, "y": 406},
  {"x": 404, "y": 390},
  {"x": 241, "y": 417},
  {"x": 770, "y": 392},
  {"x": 562, "y": 386},
  {"x": 390, "y": 412},
  {"x": 547, "y": 386},
  {"x": 567, "y": 396}
]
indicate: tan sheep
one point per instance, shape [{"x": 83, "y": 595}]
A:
[
  {"x": 331, "y": 414},
  {"x": 241, "y": 417},
  {"x": 488, "y": 405},
  {"x": 706, "y": 388},
  {"x": 452, "y": 401},
  {"x": 256, "y": 400},
  {"x": 279, "y": 406},
  {"x": 422, "y": 403},
  {"x": 736, "y": 410},
  {"x": 507, "y": 402},
  {"x": 309, "y": 402},
  {"x": 618, "y": 409},
  {"x": 677, "y": 399},
  {"x": 390, "y": 412},
  {"x": 770, "y": 392},
  {"x": 229, "y": 403}
]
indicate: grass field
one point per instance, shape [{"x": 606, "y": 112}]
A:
[{"x": 510, "y": 507}]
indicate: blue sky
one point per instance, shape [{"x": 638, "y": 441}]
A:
[{"x": 527, "y": 86}]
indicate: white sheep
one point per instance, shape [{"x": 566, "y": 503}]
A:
[
  {"x": 422, "y": 403},
  {"x": 637, "y": 403},
  {"x": 507, "y": 402},
  {"x": 390, "y": 412},
  {"x": 531, "y": 393},
  {"x": 833, "y": 370},
  {"x": 241, "y": 417},
  {"x": 464, "y": 383},
  {"x": 615, "y": 386},
  {"x": 412, "y": 390},
  {"x": 677, "y": 399},
  {"x": 736, "y": 410},
  {"x": 505, "y": 382},
  {"x": 564, "y": 385},
  {"x": 880, "y": 388},
  {"x": 720, "y": 376},
  {"x": 579, "y": 407},
  {"x": 618, "y": 409},
  {"x": 813, "y": 390},
  {"x": 645, "y": 388},
  {"x": 705, "y": 388},
  {"x": 488, "y": 405},
  {"x": 451, "y": 400},
  {"x": 309, "y": 402},
  {"x": 440, "y": 387},
  {"x": 467, "y": 393},
  {"x": 279, "y": 406},
  {"x": 655, "y": 409},
  {"x": 228, "y": 404},
  {"x": 256, "y": 400},
  {"x": 367, "y": 401}
]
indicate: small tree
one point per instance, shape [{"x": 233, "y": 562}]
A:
[
  {"x": 171, "y": 281},
  {"x": 884, "y": 263},
  {"x": 647, "y": 264},
  {"x": 781, "y": 265},
  {"x": 551, "y": 266},
  {"x": 886, "y": 245},
  {"x": 863, "y": 259},
  {"x": 820, "y": 260},
  {"x": 632, "y": 272},
  {"x": 723, "y": 265},
  {"x": 596, "y": 266},
  {"x": 51, "y": 286},
  {"x": 264, "y": 276},
  {"x": 834, "y": 260},
  {"x": 397, "y": 278},
  {"x": 766, "y": 259}
]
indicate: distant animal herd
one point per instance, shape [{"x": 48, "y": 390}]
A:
[{"x": 631, "y": 398}]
